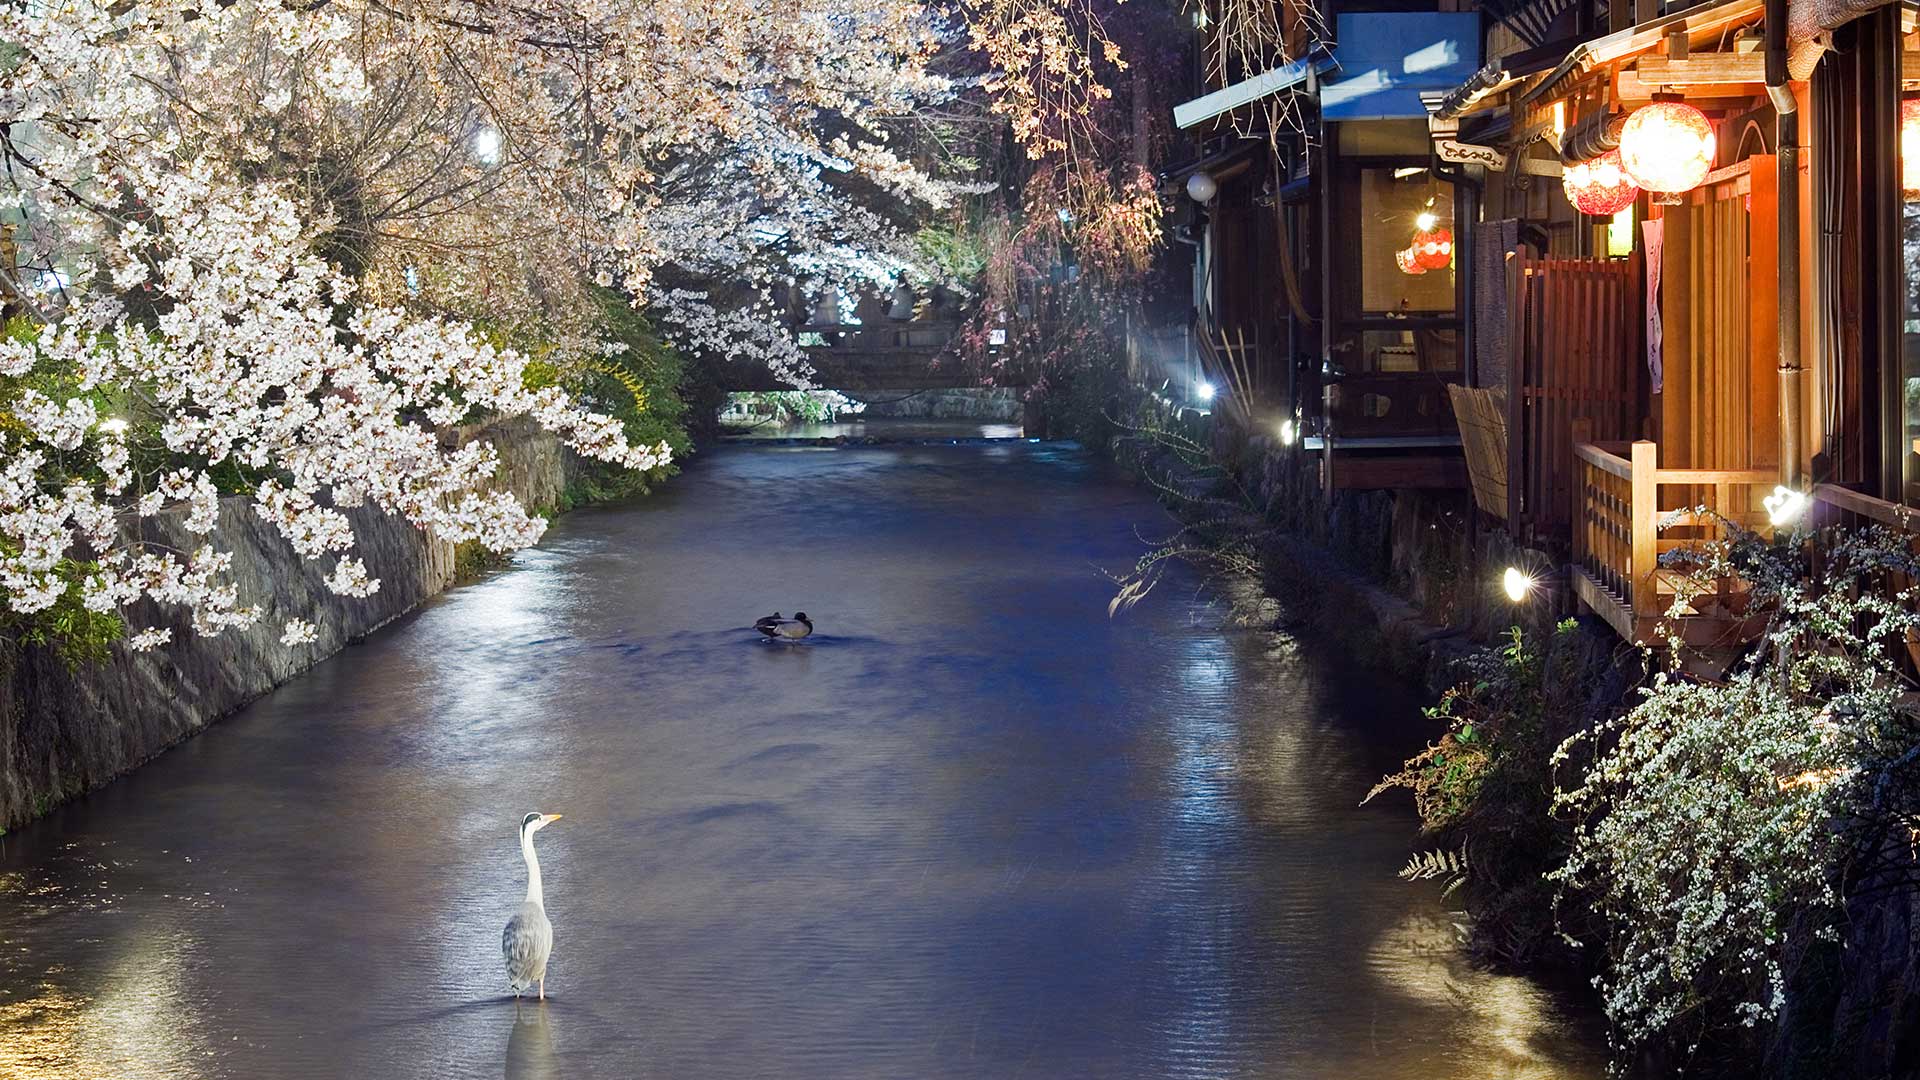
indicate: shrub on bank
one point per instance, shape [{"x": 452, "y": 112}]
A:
[
  {"x": 1484, "y": 790},
  {"x": 1710, "y": 840}
]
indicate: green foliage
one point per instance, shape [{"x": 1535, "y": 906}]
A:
[
  {"x": 472, "y": 559},
  {"x": 1487, "y": 784},
  {"x": 79, "y": 637},
  {"x": 787, "y": 406},
  {"x": 639, "y": 385},
  {"x": 959, "y": 253}
]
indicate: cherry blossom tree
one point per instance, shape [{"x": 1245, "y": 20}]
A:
[{"x": 264, "y": 232}]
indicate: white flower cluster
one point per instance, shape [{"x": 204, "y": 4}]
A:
[{"x": 1712, "y": 819}]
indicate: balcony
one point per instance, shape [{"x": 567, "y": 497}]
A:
[{"x": 1630, "y": 512}]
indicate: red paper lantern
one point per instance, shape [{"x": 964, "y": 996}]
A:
[
  {"x": 1433, "y": 248},
  {"x": 1408, "y": 261},
  {"x": 1599, "y": 187},
  {"x": 1667, "y": 147}
]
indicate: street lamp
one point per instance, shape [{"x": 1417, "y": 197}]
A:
[{"x": 486, "y": 146}]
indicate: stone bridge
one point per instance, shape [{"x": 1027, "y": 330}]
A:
[{"x": 866, "y": 358}]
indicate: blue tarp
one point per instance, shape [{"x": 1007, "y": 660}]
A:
[{"x": 1388, "y": 57}]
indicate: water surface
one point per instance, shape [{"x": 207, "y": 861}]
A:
[{"x": 972, "y": 829}]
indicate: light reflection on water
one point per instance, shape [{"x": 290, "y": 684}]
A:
[{"x": 973, "y": 828}]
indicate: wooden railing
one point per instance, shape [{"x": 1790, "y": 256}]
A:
[
  {"x": 1620, "y": 531},
  {"x": 1837, "y": 513}
]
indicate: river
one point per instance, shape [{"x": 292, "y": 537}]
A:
[{"x": 972, "y": 828}]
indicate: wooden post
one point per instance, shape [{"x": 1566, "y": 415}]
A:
[
  {"x": 1577, "y": 513},
  {"x": 1644, "y": 558}
]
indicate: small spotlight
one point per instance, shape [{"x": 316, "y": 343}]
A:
[
  {"x": 1287, "y": 433},
  {"x": 1203, "y": 390},
  {"x": 1517, "y": 584},
  {"x": 113, "y": 425},
  {"x": 1426, "y": 221},
  {"x": 1784, "y": 506}
]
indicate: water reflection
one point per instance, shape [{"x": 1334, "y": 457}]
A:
[
  {"x": 530, "y": 1046},
  {"x": 974, "y": 828}
]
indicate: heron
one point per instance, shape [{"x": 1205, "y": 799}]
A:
[{"x": 528, "y": 939}]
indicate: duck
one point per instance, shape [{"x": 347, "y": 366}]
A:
[{"x": 789, "y": 629}]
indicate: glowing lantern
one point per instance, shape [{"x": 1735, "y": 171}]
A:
[
  {"x": 1599, "y": 187},
  {"x": 1910, "y": 145},
  {"x": 1408, "y": 261},
  {"x": 1667, "y": 147},
  {"x": 1433, "y": 248}
]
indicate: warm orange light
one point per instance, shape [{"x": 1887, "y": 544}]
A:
[
  {"x": 1599, "y": 187},
  {"x": 1433, "y": 248},
  {"x": 1910, "y": 145},
  {"x": 1667, "y": 147},
  {"x": 1408, "y": 259}
]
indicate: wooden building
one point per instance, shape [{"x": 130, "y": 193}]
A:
[{"x": 1616, "y": 388}]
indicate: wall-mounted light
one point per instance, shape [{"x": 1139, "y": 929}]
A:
[
  {"x": 1784, "y": 506},
  {"x": 1203, "y": 390},
  {"x": 1517, "y": 583},
  {"x": 1201, "y": 187},
  {"x": 1288, "y": 432}
]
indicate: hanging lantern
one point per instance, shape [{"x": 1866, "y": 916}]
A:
[
  {"x": 1433, "y": 248},
  {"x": 1667, "y": 148},
  {"x": 1409, "y": 262},
  {"x": 1910, "y": 146},
  {"x": 1599, "y": 187}
]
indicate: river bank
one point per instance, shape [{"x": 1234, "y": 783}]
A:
[
  {"x": 65, "y": 731},
  {"x": 1405, "y": 580}
]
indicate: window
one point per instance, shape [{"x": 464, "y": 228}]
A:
[{"x": 1392, "y": 201}]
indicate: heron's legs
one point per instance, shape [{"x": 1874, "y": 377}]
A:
[{"x": 543, "y": 989}]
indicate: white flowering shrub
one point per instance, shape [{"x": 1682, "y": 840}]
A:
[{"x": 1719, "y": 822}]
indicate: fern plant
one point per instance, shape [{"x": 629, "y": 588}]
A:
[{"x": 1444, "y": 864}]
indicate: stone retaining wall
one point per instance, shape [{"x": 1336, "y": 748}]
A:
[{"x": 64, "y": 733}]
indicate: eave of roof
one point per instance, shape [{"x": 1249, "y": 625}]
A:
[{"x": 1634, "y": 40}]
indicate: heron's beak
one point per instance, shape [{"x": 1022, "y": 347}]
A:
[{"x": 553, "y": 817}]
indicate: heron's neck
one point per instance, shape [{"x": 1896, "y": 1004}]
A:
[{"x": 533, "y": 868}]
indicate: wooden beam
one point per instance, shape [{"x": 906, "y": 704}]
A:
[{"x": 1703, "y": 69}]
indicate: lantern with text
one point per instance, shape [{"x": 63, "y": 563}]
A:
[
  {"x": 1408, "y": 261},
  {"x": 1433, "y": 248},
  {"x": 1600, "y": 186},
  {"x": 1910, "y": 146},
  {"x": 1667, "y": 148}
]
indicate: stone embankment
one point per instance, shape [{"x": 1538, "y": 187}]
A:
[{"x": 65, "y": 732}]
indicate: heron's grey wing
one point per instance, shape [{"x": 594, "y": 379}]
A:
[{"x": 526, "y": 944}]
